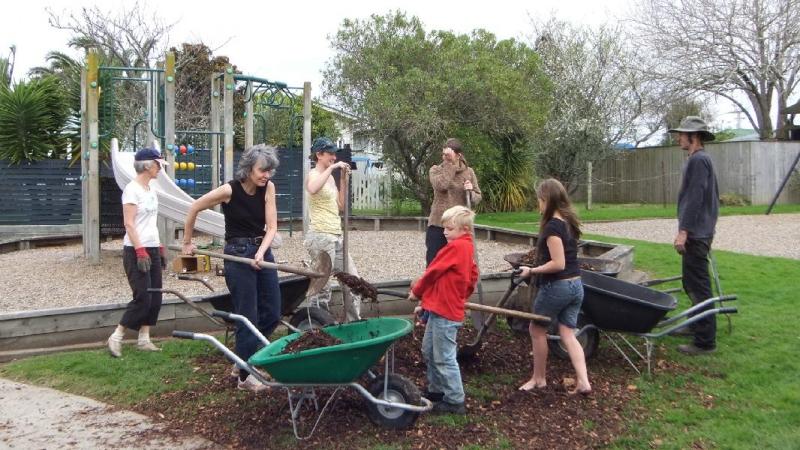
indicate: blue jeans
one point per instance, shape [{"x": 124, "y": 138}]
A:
[
  {"x": 256, "y": 295},
  {"x": 439, "y": 349},
  {"x": 560, "y": 300}
]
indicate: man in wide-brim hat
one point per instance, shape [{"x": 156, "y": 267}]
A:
[{"x": 698, "y": 209}]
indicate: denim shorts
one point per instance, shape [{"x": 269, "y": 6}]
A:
[{"x": 560, "y": 300}]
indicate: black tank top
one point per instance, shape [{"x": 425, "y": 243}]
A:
[{"x": 244, "y": 213}]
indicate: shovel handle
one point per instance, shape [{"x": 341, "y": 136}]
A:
[
  {"x": 263, "y": 264},
  {"x": 506, "y": 312}
]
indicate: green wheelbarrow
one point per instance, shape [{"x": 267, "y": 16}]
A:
[{"x": 393, "y": 401}]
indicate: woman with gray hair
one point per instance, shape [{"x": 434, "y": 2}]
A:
[
  {"x": 251, "y": 222},
  {"x": 142, "y": 253}
]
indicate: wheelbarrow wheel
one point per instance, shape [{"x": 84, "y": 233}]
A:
[
  {"x": 311, "y": 317},
  {"x": 589, "y": 339},
  {"x": 401, "y": 390}
]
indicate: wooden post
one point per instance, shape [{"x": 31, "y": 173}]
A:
[
  {"x": 663, "y": 184},
  {"x": 91, "y": 181},
  {"x": 169, "y": 113},
  {"x": 589, "y": 186},
  {"x": 216, "y": 110},
  {"x": 248, "y": 116},
  {"x": 228, "y": 89},
  {"x": 168, "y": 236},
  {"x": 306, "y": 149},
  {"x": 215, "y": 116}
]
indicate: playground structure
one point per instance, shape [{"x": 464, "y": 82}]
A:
[{"x": 195, "y": 156}]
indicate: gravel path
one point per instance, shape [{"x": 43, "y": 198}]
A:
[
  {"x": 773, "y": 235},
  {"x": 53, "y": 277}
]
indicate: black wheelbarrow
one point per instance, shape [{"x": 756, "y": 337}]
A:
[{"x": 615, "y": 308}]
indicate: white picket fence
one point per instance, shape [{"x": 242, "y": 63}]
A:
[{"x": 370, "y": 191}]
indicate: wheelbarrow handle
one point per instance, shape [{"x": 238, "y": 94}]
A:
[
  {"x": 507, "y": 312},
  {"x": 263, "y": 264},
  {"x": 392, "y": 293},
  {"x": 183, "y": 334},
  {"x": 221, "y": 314}
]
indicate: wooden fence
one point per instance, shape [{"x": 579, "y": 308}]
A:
[
  {"x": 370, "y": 191},
  {"x": 752, "y": 170}
]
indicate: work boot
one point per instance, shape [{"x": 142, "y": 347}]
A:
[
  {"x": 433, "y": 396},
  {"x": 115, "y": 347},
  {"x": 693, "y": 350},
  {"x": 444, "y": 407}
]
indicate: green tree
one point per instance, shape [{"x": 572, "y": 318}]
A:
[
  {"x": 32, "y": 118},
  {"x": 414, "y": 89}
]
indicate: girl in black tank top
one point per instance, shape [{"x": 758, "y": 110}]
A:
[{"x": 244, "y": 213}]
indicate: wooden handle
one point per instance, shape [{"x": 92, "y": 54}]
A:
[
  {"x": 264, "y": 264},
  {"x": 506, "y": 312}
]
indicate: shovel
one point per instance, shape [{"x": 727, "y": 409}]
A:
[{"x": 262, "y": 264}]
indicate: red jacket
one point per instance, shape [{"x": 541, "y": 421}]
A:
[{"x": 449, "y": 280}]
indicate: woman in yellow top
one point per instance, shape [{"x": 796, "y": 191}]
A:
[{"x": 325, "y": 226}]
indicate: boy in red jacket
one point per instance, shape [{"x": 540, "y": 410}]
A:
[{"x": 446, "y": 285}]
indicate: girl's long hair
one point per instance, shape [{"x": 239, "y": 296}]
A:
[{"x": 555, "y": 198}]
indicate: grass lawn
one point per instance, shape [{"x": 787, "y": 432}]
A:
[{"x": 744, "y": 396}]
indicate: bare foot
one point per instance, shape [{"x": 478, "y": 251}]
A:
[
  {"x": 531, "y": 385},
  {"x": 581, "y": 390}
]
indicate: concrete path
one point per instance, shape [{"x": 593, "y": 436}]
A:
[
  {"x": 773, "y": 235},
  {"x": 41, "y": 418}
]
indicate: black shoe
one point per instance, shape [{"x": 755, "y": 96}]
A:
[
  {"x": 444, "y": 407},
  {"x": 691, "y": 349},
  {"x": 433, "y": 396}
]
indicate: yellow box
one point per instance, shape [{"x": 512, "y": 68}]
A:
[{"x": 191, "y": 264}]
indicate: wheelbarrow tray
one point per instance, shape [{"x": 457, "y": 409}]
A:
[
  {"x": 293, "y": 292},
  {"x": 616, "y": 305},
  {"x": 363, "y": 343},
  {"x": 607, "y": 267}
]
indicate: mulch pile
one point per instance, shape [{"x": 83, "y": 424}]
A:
[
  {"x": 498, "y": 414},
  {"x": 358, "y": 285},
  {"x": 315, "y": 338}
]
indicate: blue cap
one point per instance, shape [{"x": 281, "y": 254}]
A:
[
  {"x": 149, "y": 154},
  {"x": 324, "y": 144}
]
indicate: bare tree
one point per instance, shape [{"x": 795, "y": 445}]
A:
[
  {"x": 131, "y": 37},
  {"x": 725, "y": 48},
  {"x": 600, "y": 98}
]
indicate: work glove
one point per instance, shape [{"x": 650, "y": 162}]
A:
[
  {"x": 142, "y": 260},
  {"x": 162, "y": 251}
]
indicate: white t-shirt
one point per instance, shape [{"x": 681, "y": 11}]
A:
[{"x": 146, "y": 214}]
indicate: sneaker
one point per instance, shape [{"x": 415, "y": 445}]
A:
[
  {"x": 235, "y": 371},
  {"x": 444, "y": 407},
  {"x": 251, "y": 384},
  {"x": 115, "y": 347},
  {"x": 691, "y": 349},
  {"x": 147, "y": 346},
  {"x": 433, "y": 396}
]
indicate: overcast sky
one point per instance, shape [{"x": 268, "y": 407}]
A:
[
  {"x": 288, "y": 41},
  {"x": 285, "y": 40}
]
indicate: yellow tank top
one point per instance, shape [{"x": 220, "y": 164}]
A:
[{"x": 323, "y": 211}]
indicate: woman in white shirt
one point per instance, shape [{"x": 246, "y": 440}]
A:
[{"x": 142, "y": 253}]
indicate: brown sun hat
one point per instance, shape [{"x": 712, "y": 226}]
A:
[{"x": 694, "y": 124}]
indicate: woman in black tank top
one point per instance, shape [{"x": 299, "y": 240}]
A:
[
  {"x": 560, "y": 291},
  {"x": 251, "y": 221}
]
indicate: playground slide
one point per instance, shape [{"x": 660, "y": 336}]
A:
[{"x": 173, "y": 202}]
